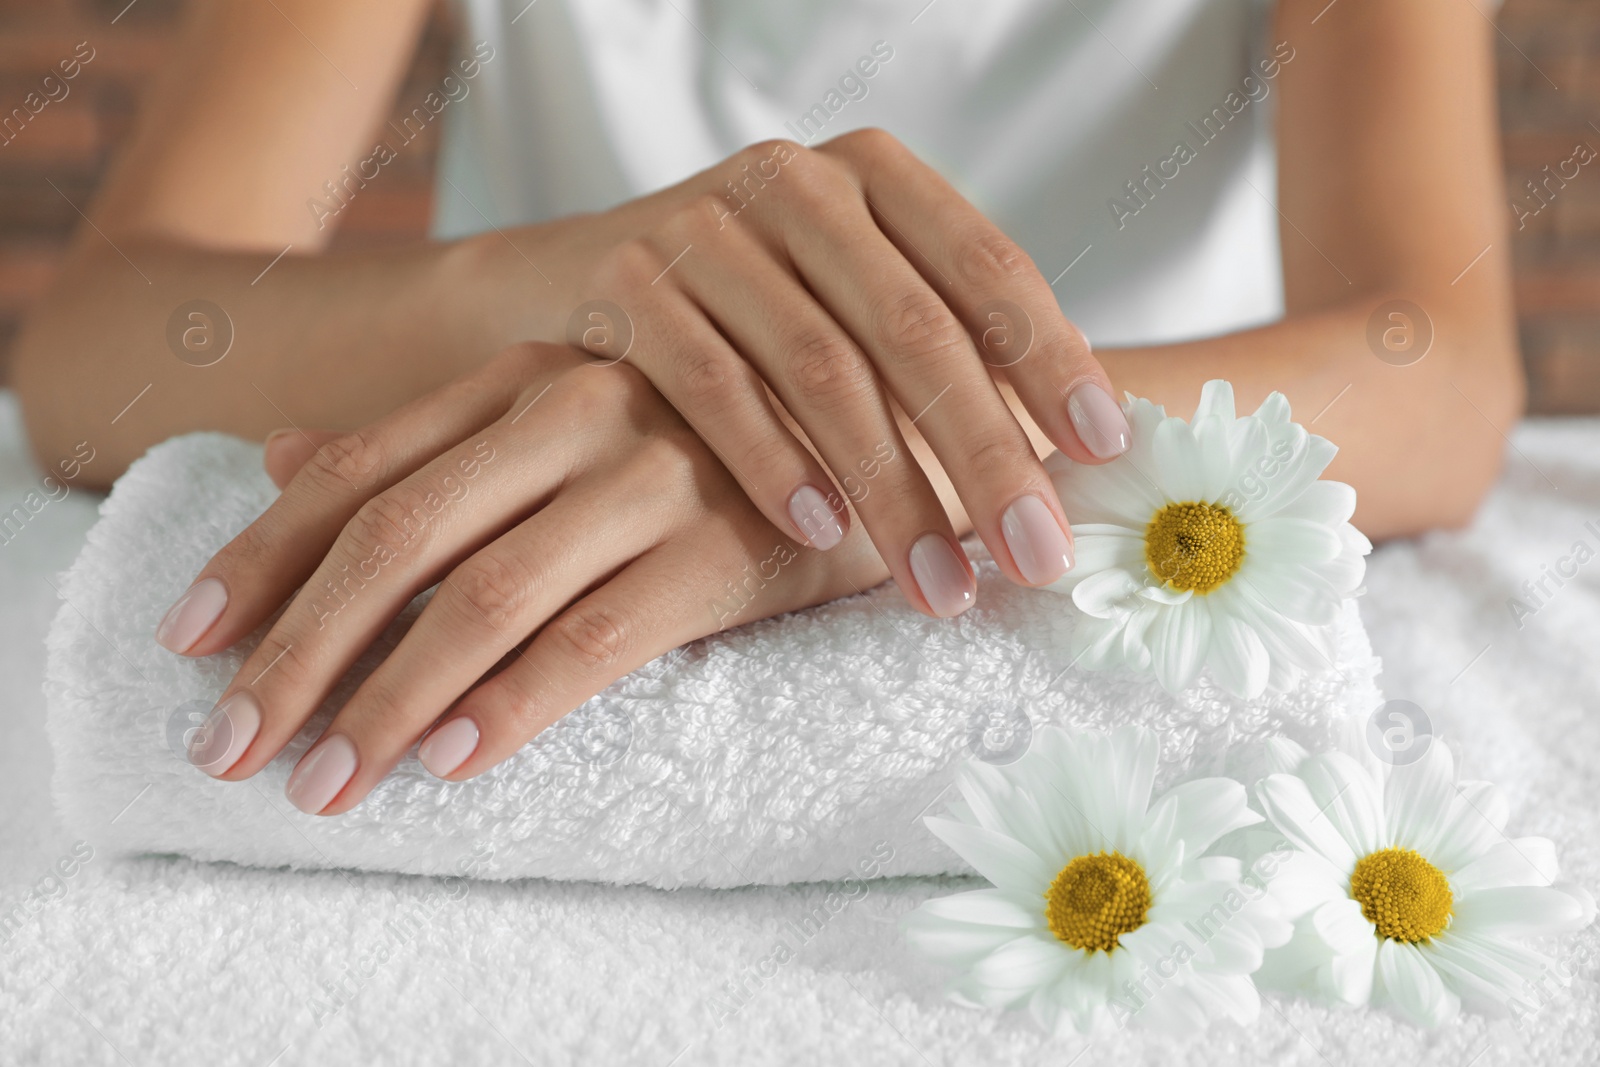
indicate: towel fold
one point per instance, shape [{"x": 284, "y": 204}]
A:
[{"x": 798, "y": 748}]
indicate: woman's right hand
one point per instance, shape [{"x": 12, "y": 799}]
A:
[
  {"x": 841, "y": 281},
  {"x": 576, "y": 528}
]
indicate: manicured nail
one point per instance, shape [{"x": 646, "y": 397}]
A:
[
  {"x": 225, "y": 734},
  {"x": 449, "y": 746},
  {"x": 188, "y": 620},
  {"x": 944, "y": 577},
  {"x": 1042, "y": 551},
  {"x": 811, "y": 515},
  {"x": 1099, "y": 421},
  {"x": 321, "y": 774}
]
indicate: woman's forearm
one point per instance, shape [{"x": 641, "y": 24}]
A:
[
  {"x": 120, "y": 354},
  {"x": 1419, "y": 442}
]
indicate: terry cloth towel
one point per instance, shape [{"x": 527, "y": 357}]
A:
[{"x": 788, "y": 750}]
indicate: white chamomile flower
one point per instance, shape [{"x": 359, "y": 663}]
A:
[
  {"x": 1105, "y": 910},
  {"x": 1211, "y": 543},
  {"x": 1405, "y": 890}
]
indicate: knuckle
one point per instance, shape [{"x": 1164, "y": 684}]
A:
[
  {"x": 707, "y": 379},
  {"x": 826, "y": 367},
  {"x": 996, "y": 459},
  {"x": 400, "y": 515},
  {"x": 356, "y": 460},
  {"x": 773, "y": 148},
  {"x": 868, "y": 140},
  {"x": 494, "y": 589},
  {"x": 591, "y": 635},
  {"x": 917, "y": 326},
  {"x": 769, "y": 451},
  {"x": 990, "y": 255},
  {"x": 631, "y": 265}
]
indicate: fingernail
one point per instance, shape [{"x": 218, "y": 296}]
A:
[
  {"x": 225, "y": 734},
  {"x": 944, "y": 577},
  {"x": 449, "y": 746},
  {"x": 1099, "y": 421},
  {"x": 276, "y": 434},
  {"x": 321, "y": 774},
  {"x": 811, "y": 515},
  {"x": 188, "y": 620},
  {"x": 1042, "y": 551}
]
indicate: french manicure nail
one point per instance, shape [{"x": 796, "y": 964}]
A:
[
  {"x": 225, "y": 734},
  {"x": 448, "y": 747},
  {"x": 1041, "y": 550},
  {"x": 1101, "y": 426},
  {"x": 188, "y": 620},
  {"x": 322, "y": 773},
  {"x": 811, "y": 515},
  {"x": 944, "y": 577}
]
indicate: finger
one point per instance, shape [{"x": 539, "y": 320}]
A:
[
  {"x": 991, "y": 284},
  {"x": 723, "y": 399},
  {"x": 286, "y": 451},
  {"x": 257, "y": 571},
  {"x": 399, "y": 543},
  {"x": 651, "y": 607},
  {"x": 930, "y": 364},
  {"x": 484, "y": 608},
  {"x": 828, "y": 386}
]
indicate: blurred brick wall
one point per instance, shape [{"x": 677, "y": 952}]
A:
[{"x": 1549, "y": 97}]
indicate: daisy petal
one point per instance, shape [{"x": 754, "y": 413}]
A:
[
  {"x": 1418, "y": 798},
  {"x": 1017, "y": 968},
  {"x": 1411, "y": 984},
  {"x": 1180, "y": 639},
  {"x": 954, "y": 944},
  {"x": 1105, "y": 595},
  {"x": 1519, "y": 911},
  {"x": 1216, "y": 399},
  {"x": 1330, "y": 503},
  {"x": 1340, "y": 925},
  {"x": 985, "y": 907},
  {"x": 1238, "y": 660},
  {"x": 1288, "y": 803},
  {"x": 1347, "y": 796},
  {"x": 1201, "y": 811},
  {"x": 1179, "y": 469},
  {"x": 1525, "y": 861},
  {"x": 1007, "y": 863}
]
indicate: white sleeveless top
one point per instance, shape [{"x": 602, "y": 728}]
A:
[{"x": 1126, "y": 144}]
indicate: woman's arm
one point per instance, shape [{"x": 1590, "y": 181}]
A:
[{"x": 1390, "y": 187}]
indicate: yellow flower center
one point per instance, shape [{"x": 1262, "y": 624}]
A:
[
  {"x": 1403, "y": 895},
  {"x": 1194, "y": 546},
  {"x": 1096, "y": 899}
]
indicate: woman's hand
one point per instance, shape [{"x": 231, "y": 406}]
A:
[
  {"x": 842, "y": 281},
  {"x": 547, "y": 497}
]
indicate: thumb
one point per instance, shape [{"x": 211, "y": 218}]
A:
[{"x": 287, "y": 451}]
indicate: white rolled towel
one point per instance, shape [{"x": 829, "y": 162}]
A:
[{"x": 798, "y": 748}]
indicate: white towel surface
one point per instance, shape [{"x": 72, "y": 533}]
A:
[
  {"x": 165, "y": 960},
  {"x": 783, "y": 751}
]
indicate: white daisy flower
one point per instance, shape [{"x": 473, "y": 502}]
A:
[
  {"x": 1105, "y": 910},
  {"x": 1406, "y": 891},
  {"x": 1211, "y": 544}
]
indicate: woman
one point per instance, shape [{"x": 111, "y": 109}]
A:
[{"x": 806, "y": 361}]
